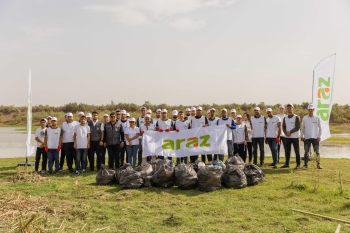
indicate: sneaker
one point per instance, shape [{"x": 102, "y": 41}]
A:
[
  {"x": 60, "y": 168},
  {"x": 83, "y": 170},
  {"x": 271, "y": 165},
  {"x": 305, "y": 167},
  {"x": 275, "y": 166},
  {"x": 319, "y": 166},
  {"x": 43, "y": 171},
  {"x": 297, "y": 167},
  {"x": 77, "y": 172},
  {"x": 36, "y": 172},
  {"x": 57, "y": 172},
  {"x": 285, "y": 166},
  {"x": 70, "y": 171},
  {"x": 262, "y": 164}
]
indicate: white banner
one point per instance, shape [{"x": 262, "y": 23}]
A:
[
  {"x": 30, "y": 148},
  {"x": 199, "y": 141},
  {"x": 322, "y": 92}
]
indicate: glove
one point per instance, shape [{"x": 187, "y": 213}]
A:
[
  {"x": 278, "y": 140},
  {"x": 167, "y": 130},
  {"x": 142, "y": 132},
  {"x": 177, "y": 130},
  {"x": 58, "y": 148},
  {"x": 46, "y": 149},
  {"x": 160, "y": 130}
]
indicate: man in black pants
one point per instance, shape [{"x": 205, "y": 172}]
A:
[
  {"x": 114, "y": 140},
  {"x": 281, "y": 115},
  {"x": 291, "y": 128},
  {"x": 67, "y": 133},
  {"x": 258, "y": 124},
  {"x": 96, "y": 141},
  {"x": 63, "y": 153},
  {"x": 125, "y": 124},
  {"x": 103, "y": 149},
  {"x": 140, "y": 121},
  {"x": 39, "y": 137}
]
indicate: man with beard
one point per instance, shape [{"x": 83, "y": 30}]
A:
[
  {"x": 67, "y": 133},
  {"x": 258, "y": 124},
  {"x": 140, "y": 121},
  {"x": 181, "y": 124},
  {"x": 273, "y": 132},
  {"x": 230, "y": 125},
  {"x": 164, "y": 124},
  {"x": 96, "y": 141},
  {"x": 281, "y": 115},
  {"x": 212, "y": 121},
  {"x": 198, "y": 121},
  {"x": 188, "y": 113},
  {"x": 125, "y": 124}
]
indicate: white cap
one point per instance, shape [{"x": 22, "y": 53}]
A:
[
  {"x": 164, "y": 110},
  {"x": 43, "y": 119},
  {"x": 53, "y": 119},
  {"x": 239, "y": 116},
  {"x": 199, "y": 108},
  {"x": 290, "y": 105},
  {"x": 69, "y": 114},
  {"x": 147, "y": 115},
  {"x": 141, "y": 108},
  {"x": 224, "y": 109},
  {"x": 193, "y": 108},
  {"x": 128, "y": 114},
  {"x": 88, "y": 115},
  {"x": 105, "y": 115},
  {"x": 281, "y": 106},
  {"x": 149, "y": 111},
  {"x": 80, "y": 113},
  {"x": 212, "y": 109},
  {"x": 233, "y": 110},
  {"x": 49, "y": 117},
  {"x": 257, "y": 108},
  {"x": 175, "y": 112},
  {"x": 188, "y": 109},
  {"x": 269, "y": 110},
  {"x": 158, "y": 110},
  {"x": 311, "y": 106},
  {"x": 132, "y": 119},
  {"x": 208, "y": 111},
  {"x": 118, "y": 110},
  {"x": 122, "y": 112}
]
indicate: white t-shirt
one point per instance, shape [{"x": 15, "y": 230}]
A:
[
  {"x": 181, "y": 125},
  {"x": 132, "y": 132},
  {"x": 143, "y": 127},
  {"x": 164, "y": 124},
  {"x": 53, "y": 137},
  {"x": 239, "y": 133},
  {"x": 258, "y": 125},
  {"x": 68, "y": 131},
  {"x": 40, "y": 133},
  {"x": 311, "y": 127},
  {"x": 213, "y": 122},
  {"x": 272, "y": 127},
  {"x": 228, "y": 120},
  {"x": 82, "y": 132}
]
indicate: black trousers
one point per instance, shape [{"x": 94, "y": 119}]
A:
[
  {"x": 249, "y": 148},
  {"x": 241, "y": 151},
  {"x": 113, "y": 156},
  {"x": 94, "y": 148},
  {"x": 63, "y": 156},
  {"x": 40, "y": 152},
  {"x": 122, "y": 156},
  {"x": 70, "y": 154},
  {"x": 260, "y": 142},
  {"x": 210, "y": 158},
  {"x": 288, "y": 149},
  {"x": 103, "y": 154},
  {"x": 221, "y": 157},
  {"x": 283, "y": 141},
  {"x": 139, "y": 153}
]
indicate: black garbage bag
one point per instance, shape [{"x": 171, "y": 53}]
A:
[
  {"x": 164, "y": 175},
  {"x": 130, "y": 178},
  {"x": 209, "y": 178},
  {"x": 186, "y": 176},
  {"x": 234, "y": 177},
  {"x": 254, "y": 174},
  {"x": 222, "y": 164},
  {"x": 105, "y": 176},
  {"x": 236, "y": 160},
  {"x": 146, "y": 173},
  {"x": 195, "y": 165},
  {"x": 120, "y": 171}
]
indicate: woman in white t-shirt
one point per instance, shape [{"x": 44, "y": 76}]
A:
[
  {"x": 246, "y": 121},
  {"x": 132, "y": 141}
]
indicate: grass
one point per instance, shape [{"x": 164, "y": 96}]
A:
[
  {"x": 336, "y": 141},
  {"x": 72, "y": 203},
  {"x": 341, "y": 128}
]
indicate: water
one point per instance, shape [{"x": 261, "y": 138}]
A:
[{"x": 13, "y": 145}]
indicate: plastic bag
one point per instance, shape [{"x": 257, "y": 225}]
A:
[
  {"x": 186, "y": 177},
  {"x": 146, "y": 173},
  {"x": 234, "y": 177},
  {"x": 164, "y": 175},
  {"x": 222, "y": 164},
  {"x": 120, "y": 171},
  {"x": 105, "y": 176},
  {"x": 254, "y": 174},
  {"x": 130, "y": 178},
  {"x": 236, "y": 160},
  {"x": 209, "y": 178}
]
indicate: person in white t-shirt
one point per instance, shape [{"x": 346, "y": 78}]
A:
[
  {"x": 188, "y": 113},
  {"x": 174, "y": 114},
  {"x": 140, "y": 121},
  {"x": 281, "y": 115},
  {"x": 258, "y": 124},
  {"x": 311, "y": 133},
  {"x": 143, "y": 128},
  {"x": 212, "y": 121},
  {"x": 164, "y": 124},
  {"x": 272, "y": 134},
  {"x": 125, "y": 124},
  {"x": 39, "y": 138},
  {"x": 52, "y": 143},
  {"x": 240, "y": 137},
  {"x": 67, "y": 133},
  {"x": 230, "y": 125},
  {"x": 198, "y": 121},
  {"x": 132, "y": 141},
  {"x": 158, "y": 116},
  {"x": 249, "y": 147},
  {"x": 181, "y": 124},
  {"x": 81, "y": 144}
]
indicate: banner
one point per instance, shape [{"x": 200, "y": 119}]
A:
[
  {"x": 322, "y": 92},
  {"x": 199, "y": 141},
  {"x": 30, "y": 148}
]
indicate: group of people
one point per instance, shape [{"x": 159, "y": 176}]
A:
[{"x": 120, "y": 136}]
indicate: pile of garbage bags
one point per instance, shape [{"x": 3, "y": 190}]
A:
[{"x": 105, "y": 176}]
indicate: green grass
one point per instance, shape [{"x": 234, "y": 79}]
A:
[
  {"x": 336, "y": 141},
  {"x": 77, "y": 204},
  {"x": 343, "y": 128}
]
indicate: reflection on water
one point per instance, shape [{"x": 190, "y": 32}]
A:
[{"x": 13, "y": 144}]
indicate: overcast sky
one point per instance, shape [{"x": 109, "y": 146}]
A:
[{"x": 171, "y": 51}]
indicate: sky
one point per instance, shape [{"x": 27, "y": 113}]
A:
[{"x": 172, "y": 51}]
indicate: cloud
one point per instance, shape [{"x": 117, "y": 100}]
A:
[
  {"x": 186, "y": 24},
  {"x": 13, "y": 45},
  {"x": 230, "y": 2},
  {"x": 40, "y": 34}
]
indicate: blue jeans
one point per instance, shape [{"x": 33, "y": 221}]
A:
[
  {"x": 315, "y": 145},
  {"x": 81, "y": 155},
  {"x": 229, "y": 150},
  {"x": 53, "y": 156},
  {"x": 132, "y": 152},
  {"x": 273, "y": 147}
]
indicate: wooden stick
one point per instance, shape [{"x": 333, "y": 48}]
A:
[
  {"x": 101, "y": 229},
  {"x": 338, "y": 229},
  {"x": 322, "y": 216}
]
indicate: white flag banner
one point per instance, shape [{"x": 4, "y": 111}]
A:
[
  {"x": 198, "y": 141},
  {"x": 30, "y": 148},
  {"x": 322, "y": 92}
]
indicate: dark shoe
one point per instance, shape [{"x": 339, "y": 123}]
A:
[
  {"x": 275, "y": 166},
  {"x": 285, "y": 166},
  {"x": 271, "y": 165},
  {"x": 50, "y": 172},
  {"x": 262, "y": 164},
  {"x": 319, "y": 166},
  {"x": 305, "y": 167},
  {"x": 297, "y": 167},
  {"x": 57, "y": 172},
  {"x": 77, "y": 172}
]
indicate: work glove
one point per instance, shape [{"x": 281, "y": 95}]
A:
[
  {"x": 58, "y": 148},
  {"x": 177, "y": 130},
  {"x": 46, "y": 149},
  {"x": 278, "y": 140},
  {"x": 160, "y": 130},
  {"x": 167, "y": 130}
]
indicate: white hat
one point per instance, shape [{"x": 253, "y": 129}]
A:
[
  {"x": 80, "y": 113},
  {"x": 158, "y": 110},
  {"x": 118, "y": 110},
  {"x": 269, "y": 110},
  {"x": 128, "y": 114},
  {"x": 208, "y": 111},
  {"x": 88, "y": 115},
  {"x": 122, "y": 112},
  {"x": 174, "y": 112},
  {"x": 149, "y": 111},
  {"x": 239, "y": 116},
  {"x": 224, "y": 109},
  {"x": 43, "y": 119},
  {"x": 193, "y": 108},
  {"x": 311, "y": 106},
  {"x": 105, "y": 115},
  {"x": 281, "y": 106},
  {"x": 212, "y": 109},
  {"x": 69, "y": 114},
  {"x": 147, "y": 115},
  {"x": 257, "y": 108},
  {"x": 290, "y": 105},
  {"x": 132, "y": 119},
  {"x": 53, "y": 119},
  {"x": 141, "y": 108},
  {"x": 188, "y": 109},
  {"x": 49, "y": 117},
  {"x": 164, "y": 110},
  {"x": 233, "y": 110},
  {"x": 199, "y": 108}
]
